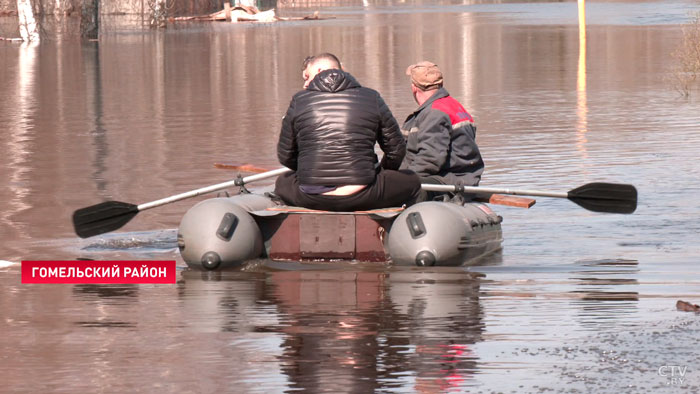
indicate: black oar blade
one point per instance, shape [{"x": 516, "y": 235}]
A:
[
  {"x": 102, "y": 218},
  {"x": 605, "y": 197}
]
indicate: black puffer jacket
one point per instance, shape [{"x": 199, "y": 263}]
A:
[{"x": 330, "y": 129}]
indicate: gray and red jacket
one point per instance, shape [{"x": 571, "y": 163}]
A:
[{"x": 441, "y": 140}]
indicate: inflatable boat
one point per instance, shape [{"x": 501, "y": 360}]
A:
[{"x": 227, "y": 231}]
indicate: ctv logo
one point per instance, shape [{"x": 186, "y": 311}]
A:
[{"x": 675, "y": 374}]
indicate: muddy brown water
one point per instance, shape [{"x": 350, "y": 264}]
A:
[{"x": 575, "y": 302}]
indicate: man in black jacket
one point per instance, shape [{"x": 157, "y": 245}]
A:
[
  {"x": 328, "y": 137},
  {"x": 441, "y": 134}
]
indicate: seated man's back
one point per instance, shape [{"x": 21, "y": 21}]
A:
[{"x": 328, "y": 137}]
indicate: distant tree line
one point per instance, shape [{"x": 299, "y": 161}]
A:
[
  {"x": 31, "y": 13},
  {"x": 686, "y": 72}
]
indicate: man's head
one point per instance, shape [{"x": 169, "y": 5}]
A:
[
  {"x": 316, "y": 64},
  {"x": 426, "y": 79}
]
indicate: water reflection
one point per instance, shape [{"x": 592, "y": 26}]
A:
[
  {"x": 100, "y": 146},
  {"x": 101, "y": 299},
  {"x": 607, "y": 293},
  {"x": 19, "y": 137},
  {"x": 108, "y": 293},
  {"x": 350, "y": 331},
  {"x": 223, "y": 301},
  {"x": 437, "y": 318},
  {"x": 143, "y": 116},
  {"x": 582, "y": 101},
  {"x": 331, "y": 326},
  {"x": 339, "y": 330},
  {"x": 176, "y": 101}
]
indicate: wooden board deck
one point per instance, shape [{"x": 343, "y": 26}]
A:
[{"x": 309, "y": 235}]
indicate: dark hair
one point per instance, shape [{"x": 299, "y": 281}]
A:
[
  {"x": 306, "y": 62},
  {"x": 325, "y": 56}
]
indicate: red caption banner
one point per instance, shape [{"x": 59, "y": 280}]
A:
[{"x": 115, "y": 271}]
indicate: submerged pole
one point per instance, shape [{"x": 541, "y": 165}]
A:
[
  {"x": 582, "y": 20},
  {"x": 582, "y": 102}
]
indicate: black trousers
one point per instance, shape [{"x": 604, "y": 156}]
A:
[
  {"x": 425, "y": 195},
  {"x": 390, "y": 189}
]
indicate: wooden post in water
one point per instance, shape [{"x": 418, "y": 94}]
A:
[
  {"x": 581, "y": 96},
  {"x": 582, "y": 19},
  {"x": 581, "y": 78},
  {"x": 227, "y": 10}
]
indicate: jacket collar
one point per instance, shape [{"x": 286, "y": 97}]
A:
[
  {"x": 333, "y": 80},
  {"x": 442, "y": 92}
]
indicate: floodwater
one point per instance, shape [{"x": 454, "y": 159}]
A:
[{"x": 576, "y": 301}]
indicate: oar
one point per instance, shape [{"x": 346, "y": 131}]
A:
[
  {"x": 111, "y": 215},
  {"x": 596, "y": 196},
  {"x": 243, "y": 167}
]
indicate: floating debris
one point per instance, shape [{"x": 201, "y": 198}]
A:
[
  {"x": 687, "y": 307},
  {"x": 242, "y": 13}
]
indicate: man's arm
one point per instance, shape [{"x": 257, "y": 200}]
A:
[
  {"x": 390, "y": 138},
  {"x": 287, "y": 149},
  {"x": 433, "y": 143}
]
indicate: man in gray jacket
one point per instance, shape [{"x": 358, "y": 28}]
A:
[{"x": 441, "y": 135}]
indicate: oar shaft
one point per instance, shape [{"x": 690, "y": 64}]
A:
[
  {"x": 213, "y": 188},
  {"x": 490, "y": 190}
]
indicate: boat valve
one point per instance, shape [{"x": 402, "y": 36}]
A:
[
  {"x": 425, "y": 259},
  {"x": 211, "y": 260}
]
